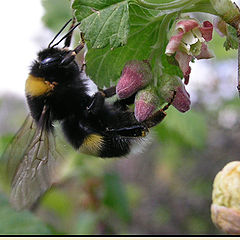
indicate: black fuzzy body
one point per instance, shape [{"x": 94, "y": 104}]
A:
[{"x": 68, "y": 103}]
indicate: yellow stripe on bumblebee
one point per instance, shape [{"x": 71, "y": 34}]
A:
[
  {"x": 92, "y": 144},
  {"x": 37, "y": 86}
]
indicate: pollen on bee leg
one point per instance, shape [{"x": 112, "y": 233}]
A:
[
  {"x": 51, "y": 85},
  {"x": 144, "y": 134}
]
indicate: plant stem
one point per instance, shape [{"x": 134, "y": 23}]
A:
[
  {"x": 158, "y": 48},
  {"x": 238, "y": 86}
]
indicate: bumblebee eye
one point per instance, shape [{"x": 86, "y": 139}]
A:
[
  {"x": 47, "y": 60},
  {"x": 50, "y": 61}
]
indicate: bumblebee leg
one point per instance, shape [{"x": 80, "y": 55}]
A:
[
  {"x": 109, "y": 92},
  {"x": 72, "y": 54},
  {"x": 141, "y": 129},
  {"x": 123, "y": 103},
  {"x": 155, "y": 119},
  {"x": 99, "y": 99},
  {"x": 132, "y": 131},
  {"x": 97, "y": 103},
  {"x": 158, "y": 116}
]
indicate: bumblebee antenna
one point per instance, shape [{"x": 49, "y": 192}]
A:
[
  {"x": 49, "y": 45},
  {"x": 69, "y": 37},
  {"x": 66, "y": 35}
]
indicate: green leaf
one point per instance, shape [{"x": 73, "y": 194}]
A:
[
  {"x": 216, "y": 45},
  {"x": 115, "y": 196},
  {"x": 232, "y": 39},
  {"x": 104, "y": 66},
  {"x": 24, "y": 222},
  {"x": 103, "y": 22}
]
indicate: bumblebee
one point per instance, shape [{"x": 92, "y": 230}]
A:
[{"x": 56, "y": 90}]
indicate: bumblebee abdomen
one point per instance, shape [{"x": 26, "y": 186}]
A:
[
  {"x": 90, "y": 141},
  {"x": 36, "y": 86}
]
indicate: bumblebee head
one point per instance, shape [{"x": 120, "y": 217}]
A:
[
  {"x": 54, "y": 66},
  {"x": 54, "y": 59}
]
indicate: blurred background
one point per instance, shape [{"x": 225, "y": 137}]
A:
[{"x": 164, "y": 189}]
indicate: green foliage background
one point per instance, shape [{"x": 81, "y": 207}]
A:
[{"x": 164, "y": 190}]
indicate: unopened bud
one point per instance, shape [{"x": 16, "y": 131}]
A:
[
  {"x": 135, "y": 76},
  {"x": 225, "y": 209},
  {"x": 145, "y": 104},
  {"x": 168, "y": 85}
]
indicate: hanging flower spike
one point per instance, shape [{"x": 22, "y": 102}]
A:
[{"x": 188, "y": 42}]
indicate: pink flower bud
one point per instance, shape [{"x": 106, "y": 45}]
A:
[
  {"x": 169, "y": 84},
  {"x": 135, "y": 75},
  {"x": 145, "y": 104},
  {"x": 182, "y": 99}
]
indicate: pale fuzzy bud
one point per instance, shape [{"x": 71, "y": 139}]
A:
[
  {"x": 135, "y": 76},
  {"x": 225, "y": 209},
  {"x": 227, "y": 219},
  {"x": 145, "y": 104},
  {"x": 168, "y": 85}
]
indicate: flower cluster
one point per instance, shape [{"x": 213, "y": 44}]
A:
[
  {"x": 188, "y": 41},
  {"x": 137, "y": 77}
]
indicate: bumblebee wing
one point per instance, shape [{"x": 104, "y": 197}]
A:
[
  {"x": 35, "y": 173},
  {"x": 31, "y": 172},
  {"x": 15, "y": 150}
]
